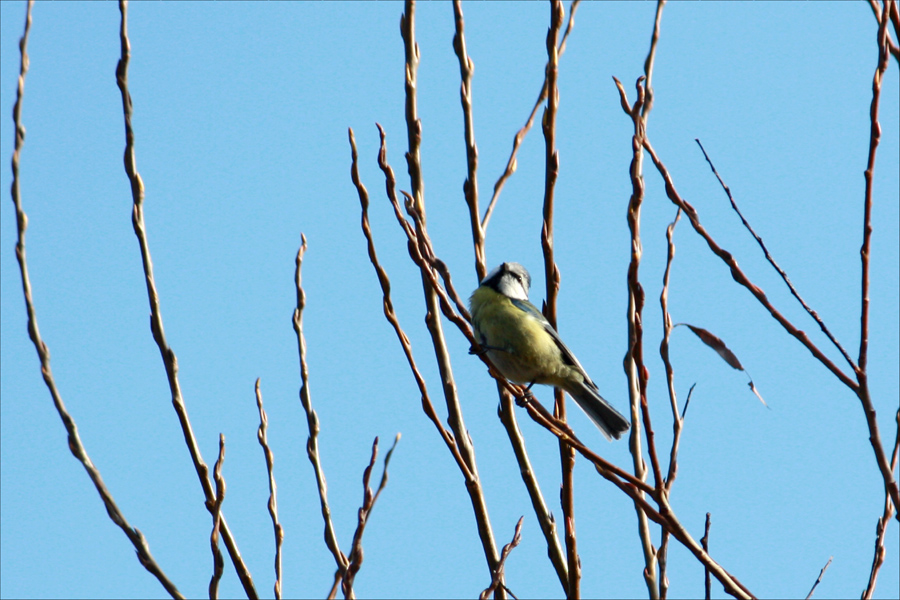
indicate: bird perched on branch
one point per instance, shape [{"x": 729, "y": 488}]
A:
[{"x": 526, "y": 348}]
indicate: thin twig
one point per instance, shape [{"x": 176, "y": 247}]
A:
[
  {"x": 332, "y": 593},
  {"x": 312, "y": 419},
  {"x": 774, "y": 264},
  {"x": 156, "y": 323},
  {"x": 677, "y": 421},
  {"x": 76, "y": 447},
  {"x": 470, "y": 185},
  {"x": 862, "y": 375},
  {"x": 883, "y": 522},
  {"x": 736, "y": 272},
  {"x": 520, "y": 135},
  {"x": 819, "y": 578},
  {"x": 633, "y": 363},
  {"x": 705, "y": 542},
  {"x": 432, "y": 316},
  {"x": 273, "y": 489},
  {"x": 876, "y": 9},
  {"x": 634, "y": 366},
  {"x": 572, "y": 586},
  {"x": 545, "y": 518},
  {"x": 650, "y": 61},
  {"x": 369, "y": 499},
  {"x": 388, "y": 305},
  {"x": 218, "y": 560},
  {"x": 635, "y": 489},
  {"x": 495, "y": 580},
  {"x": 662, "y": 554},
  {"x": 470, "y": 188}
]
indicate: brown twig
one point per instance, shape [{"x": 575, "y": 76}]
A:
[
  {"x": 876, "y": 9},
  {"x": 76, "y": 447},
  {"x": 470, "y": 185},
  {"x": 332, "y": 593},
  {"x": 498, "y": 576},
  {"x": 545, "y": 518},
  {"x": 677, "y": 423},
  {"x": 862, "y": 376},
  {"x": 312, "y": 419},
  {"x": 635, "y": 489},
  {"x": 218, "y": 560},
  {"x": 677, "y": 420},
  {"x": 520, "y": 135},
  {"x": 432, "y": 316},
  {"x": 633, "y": 362},
  {"x": 774, "y": 264},
  {"x": 731, "y": 584},
  {"x": 369, "y": 499},
  {"x": 736, "y": 272},
  {"x": 551, "y": 278},
  {"x": 688, "y": 401},
  {"x": 819, "y": 578},
  {"x": 156, "y": 324},
  {"x": 705, "y": 542},
  {"x": 388, "y": 305},
  {"x": 883, "y": 522},
  {"x": 470, "y": 188},
  {"x": 273, "y": 489},
  {"x": 418, "y": 244},
  {"x": 650, "y": 61}
]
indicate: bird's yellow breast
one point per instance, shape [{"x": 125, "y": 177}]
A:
[{"x": 517, "y": 342}]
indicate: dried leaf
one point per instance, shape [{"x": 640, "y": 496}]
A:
[{"x": 718, "y": 345}]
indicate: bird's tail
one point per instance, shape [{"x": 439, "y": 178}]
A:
[{"x": 610, "y": 421}]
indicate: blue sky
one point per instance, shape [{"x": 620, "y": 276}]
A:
[{"x": 241, "y": 114}]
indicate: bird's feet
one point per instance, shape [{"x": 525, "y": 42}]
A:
[{"x": 526, "y": 397}]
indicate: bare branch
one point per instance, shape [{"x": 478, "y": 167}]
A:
[
  {"x": 432, "y": 316},
  {"x": 649, "y": 62},
  {"x": 876, "y": 9},
  {"x": 572, "y": 586},
  {"x": 819, "y": 578},
  {"x": 470, "y": 185},
  {"x": 273, "y": 489},
  {"x": 218, "y": 560},
  {"x": 156, "y": 323},
  {"x": 76, "y": 447},
  {"x": 883, "y": 522},
  {"x": 495, "y": 581},
  {"x": 388, "y": 307},
  {"x": 662, "y": 554},
  {"x": 369, "y": 499},
  {"x": 312, "y": 419},
  {"x": 737, "y": 274},
  {"x": 636, "y": 489},
  {"x": 520, "y": 135},
  {"x": 862, "y": 375},
  {"x": 633, "y": 363},
  {"x": 774, "y": 264},
  {"x": 705, "y": 542}
]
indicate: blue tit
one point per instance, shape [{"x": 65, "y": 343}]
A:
[{"x": 527, "y": 349}]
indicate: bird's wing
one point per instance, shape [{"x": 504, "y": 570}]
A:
[{"x": 567, "y": 355}]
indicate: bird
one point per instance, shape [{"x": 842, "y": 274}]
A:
[{"x": 526, "y": 348}]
